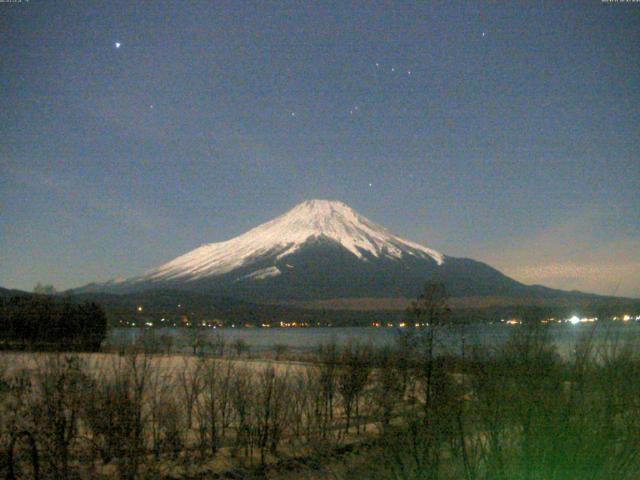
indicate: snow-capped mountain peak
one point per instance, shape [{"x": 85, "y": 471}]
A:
[
  {"x": 332, "y": 220},
  {"x": 322, "y": 250}
]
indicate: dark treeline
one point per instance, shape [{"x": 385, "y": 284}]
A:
[
  {"x": 180, "y": 306},
  {"x": 123, "y": 311},
  {"x": 45, "y": 322}
]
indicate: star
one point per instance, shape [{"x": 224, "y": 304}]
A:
[
  {"x": 370, "y": 185},
  {"x": 117, "y": 44},
  {"x": 293, "y": 114},
  {"x": 393, "y": 69},
  {"x": 484, "y": 34},
  {"x": 408, "y": 72},
  {"x": 377, "y": 65}
]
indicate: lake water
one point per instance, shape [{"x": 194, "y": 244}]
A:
[{"x": 307, "y": 339}]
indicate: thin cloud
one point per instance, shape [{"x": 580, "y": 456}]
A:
[
  {"x": 574, "y": 256},
  {"x": 110, "y": 205}
]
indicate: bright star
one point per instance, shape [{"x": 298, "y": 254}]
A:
[
  {"x": 118, "y": 44},
  {"x": 371, "y": 185}
]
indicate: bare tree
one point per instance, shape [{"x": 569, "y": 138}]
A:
[
  {"x": 270, "y": 410},
  {"x": 190, "y": 383},
  {"x": 353, "y": 375},
  {"x": 197, "y": 339},
  {"x": 167, "y": 340},
  {"x": 11, "y": 453},
  {"x": 241, "y": 388},
  {"x": 162, "y": 410},
  {"x": 430, "y": 311},
  {"x": 328, "y": 364},
  {"x": 213, "y": 404},
  {"x": 280, "y": 350},
  {"x": 17, "y": 425},
  {"x": 59, "y": 383},
  {"x": 388, "y": 388},
  {"x": 219, "y": 344},
  {"x": 240, "y": 346},
  {"x": 114, "y": 413},
  {"x": 300, "y": 389}
]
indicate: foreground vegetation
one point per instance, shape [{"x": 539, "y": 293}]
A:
[
  {"x": 519, "y": 411},
  {"x": 515, "y": 413}
]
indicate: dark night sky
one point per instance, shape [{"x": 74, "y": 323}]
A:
[{"x": 507, "y": 132}]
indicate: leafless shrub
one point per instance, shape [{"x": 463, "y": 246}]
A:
[
  {"x": 388, "y": 387},
  {"x": 280, "y": 351},
  {"x": 327, "y": 378},
  {"x": 219, "y": 344},
  {"x": 149, "y": 341},
  {"x": 166, "y": 342},
  {"x": 214, "y": 404},
  {"x": 114, "y": 413},
  {"x": 34, "y": 456},
  {"x": 240, "y": 347},
  {"x": 197, "y": 340},
  {"x": 17, "y": 426},
  {"x": 271, "y": 413},
  {"x": 59, "y": 382},
  {"x": 353, "y": 375},
  {"x": 190, "y": 384},
  {"x": 164, "y": 418},
  {"x": 301, "y": 392},
  {"x": 171, "y": 428},
  {"x": 241, "y": 393},
  {"x": 313, "y": 413}
]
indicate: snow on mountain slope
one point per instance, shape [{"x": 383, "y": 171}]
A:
[{"x": 285, "y": 235}]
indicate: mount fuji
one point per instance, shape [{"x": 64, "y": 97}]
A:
[{"x": 321, "y": 250}]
